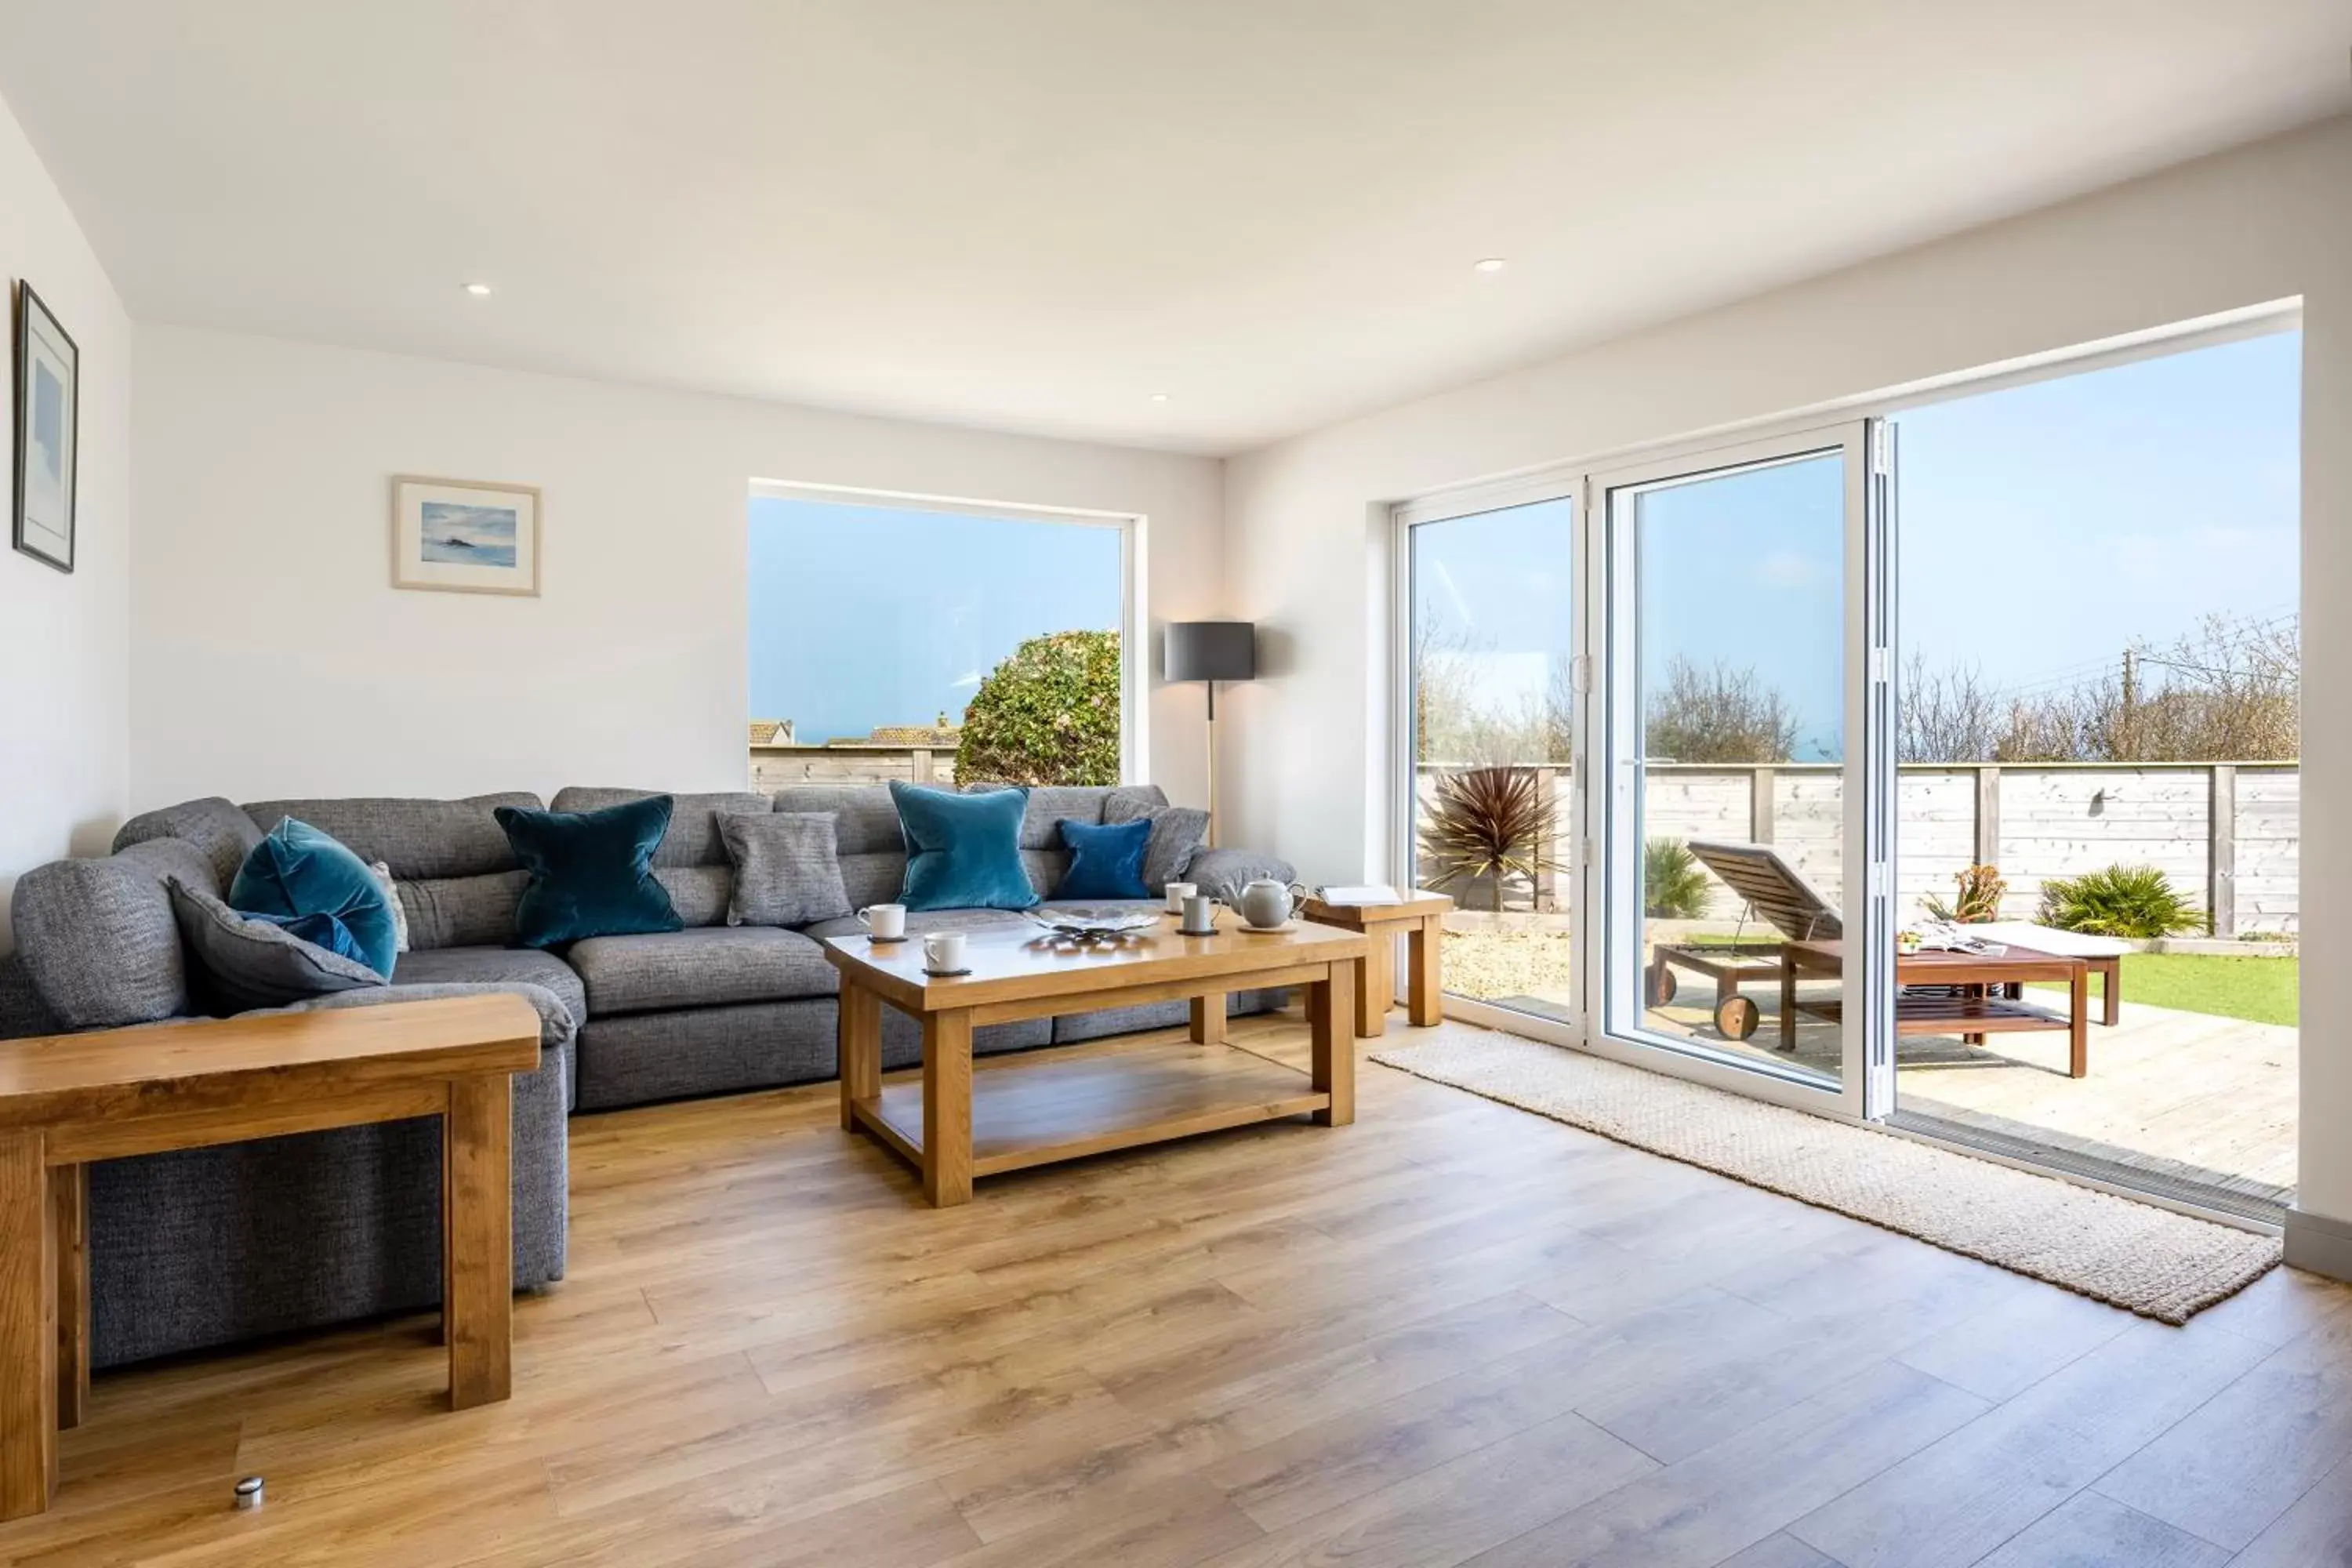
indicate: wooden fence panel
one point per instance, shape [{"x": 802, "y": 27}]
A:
[
  {"x": 1684, "y": 804},
  {"x": 2269, "y": 844},
  {"x": 2065, "y": 822},
  {"x": 1935, "y": 819},
  {"x": 1809, "y": 827}
]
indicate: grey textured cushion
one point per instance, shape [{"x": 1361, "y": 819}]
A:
[
  {"x": 708, "y": 968},
  {"x": 787, "y": 868},
  {"x": 693, "y": 836},
  {"x": 699, "y": 893},
  {"x": 242, "y": 963},
  {"x": 498, "y": 967},
  {"x": 417, "y": 839},
  {"x": 462, "y": 912},
  {"x": 1223, "y": 873},
  {"x": 224, "y": 835},
  {"x": 1176, "y": 833},
  {"x": 98, "y": 936},
  {"x": 871, "y": 845}
]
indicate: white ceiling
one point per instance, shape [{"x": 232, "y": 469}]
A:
[{"x": 1033, "y": 214}]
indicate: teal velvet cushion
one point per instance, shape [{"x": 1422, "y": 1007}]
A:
[
  {"x": 297, "y": 873},
  {"x": 964, "y": 851},
  {"x": 1105, "y": 862},
  {"x": 591, "y": 871}
]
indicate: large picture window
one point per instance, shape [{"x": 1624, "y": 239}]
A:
[{"x": 936, "y": 644}]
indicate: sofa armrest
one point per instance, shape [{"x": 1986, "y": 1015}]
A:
[{"x": 1223, "y": 873}]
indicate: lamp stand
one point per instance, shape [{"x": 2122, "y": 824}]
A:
[{"x": 1212, "y": 762}]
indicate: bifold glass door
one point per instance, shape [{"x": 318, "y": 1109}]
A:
[
  {"x": 1741, "y": 831},
  {"x": 1489, "y": 721}
]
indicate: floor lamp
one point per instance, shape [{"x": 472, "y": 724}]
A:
[{"x": 1208, "y": 652}]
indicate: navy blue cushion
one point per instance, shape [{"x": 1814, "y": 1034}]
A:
[
  {"x": 1105, "y": 862},
  {"x": 964, "y": 851},
  {"x": 298, "y": 874},
  {"x": 591, "y": 871}
]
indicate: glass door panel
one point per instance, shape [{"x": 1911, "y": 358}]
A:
[
  {"x": 1734, "y": 646},
  {"x": 1491, "y": 809}
]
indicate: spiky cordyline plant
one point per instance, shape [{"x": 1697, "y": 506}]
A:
[{"x": 1491, "y": 823}]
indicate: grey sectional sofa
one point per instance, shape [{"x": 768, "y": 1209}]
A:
[{"x": 212, "y": 1245}]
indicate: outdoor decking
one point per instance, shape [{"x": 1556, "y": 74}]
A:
[{"x": 2184, "y": 1098}]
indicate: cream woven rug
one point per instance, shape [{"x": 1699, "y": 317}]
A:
[{"x": 2150, "y": 1261}]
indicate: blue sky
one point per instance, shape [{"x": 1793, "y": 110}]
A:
[
  {"x": 2043, "y": 528},
  {"x": 865, "y": 615}
]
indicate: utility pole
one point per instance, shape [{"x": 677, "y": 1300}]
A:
[{"x": 2131, "y": 679}]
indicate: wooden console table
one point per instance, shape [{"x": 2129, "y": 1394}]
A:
[
  {"x": 67, "y": 1100},
  {"x": 1034, "y": 1108},
  {"x": 1421, "y": 918}
]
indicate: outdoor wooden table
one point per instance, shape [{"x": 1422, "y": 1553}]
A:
[
  {"x": 67, "y": 1100},
  {"x": 1977, "y": 1005},
  {"x": 1034, "y": 1108},
  {"x": 1420, "y": 917}
]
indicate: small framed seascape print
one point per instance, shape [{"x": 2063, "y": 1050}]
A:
[
  {"x": 461, "y": 537},
  {"x": 47, "y": 400}
]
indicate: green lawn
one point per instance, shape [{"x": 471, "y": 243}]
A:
[{"x": 2261, "y": 989}]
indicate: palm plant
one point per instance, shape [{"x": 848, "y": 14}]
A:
[
  {"x": 2121, "y": 900},
  {"x": 1490, "y": 824},
  {"x": 1674, "y": 884}
]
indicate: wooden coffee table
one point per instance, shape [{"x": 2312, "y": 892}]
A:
[
  {"x": 67, "y": 1100},
  {"x": 1034, "y": 1107},
  {"x": 1420, "y": 917},
  {"x": 1977, "y": 1003}
]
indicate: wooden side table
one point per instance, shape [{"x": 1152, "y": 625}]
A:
[
  {"x": 1420, "y": 917},
  {"x": 67, "y": 1100}
]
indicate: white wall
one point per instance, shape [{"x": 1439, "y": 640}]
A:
[
  {"x": 273, "y": 657},
  {"x": 1305, "y": 539},
  {"x": 64, "y": 695}
]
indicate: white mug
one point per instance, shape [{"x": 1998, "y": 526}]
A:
[
  {"x": 1177, "y": 893},
  {"x": 1200, "y": 913},
  {"x": 943, "y": 952},
  {"x": 887, "y": 922}
]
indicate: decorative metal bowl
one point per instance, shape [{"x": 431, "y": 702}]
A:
[{"x": 1088, "y": 926}]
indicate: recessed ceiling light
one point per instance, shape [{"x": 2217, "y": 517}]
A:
[
  {"x": 478, "y": 289},
  {"x": 1489, "y": 264},
  {"x": 1159, "y": 397}
]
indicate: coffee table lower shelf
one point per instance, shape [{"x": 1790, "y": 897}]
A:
[{"x": 1036, "y": 1108}]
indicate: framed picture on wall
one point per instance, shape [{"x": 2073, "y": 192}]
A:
[
  {"x": 461, "y": 537},
  {"x": 48, "y": 397}
]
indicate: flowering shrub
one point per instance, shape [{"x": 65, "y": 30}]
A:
[{"x": 1047, "y": 715}]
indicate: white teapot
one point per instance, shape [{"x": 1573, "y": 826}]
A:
[{"x": 1267, "y": 904}]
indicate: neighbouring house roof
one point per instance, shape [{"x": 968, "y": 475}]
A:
[{"x": 771, "y": 731}]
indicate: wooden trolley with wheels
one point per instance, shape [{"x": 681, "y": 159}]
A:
[{"x": 1743, "y": 964}]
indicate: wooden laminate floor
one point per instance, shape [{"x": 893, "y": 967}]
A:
[{"x": 1451, "y": 1333}]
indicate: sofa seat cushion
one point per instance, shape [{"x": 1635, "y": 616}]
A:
[
  {"x": 496, "y": 966},
  {"x": 705, "y": 967}
]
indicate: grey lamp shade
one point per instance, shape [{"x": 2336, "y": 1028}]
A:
[{"x": 1211, "y": 650}]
